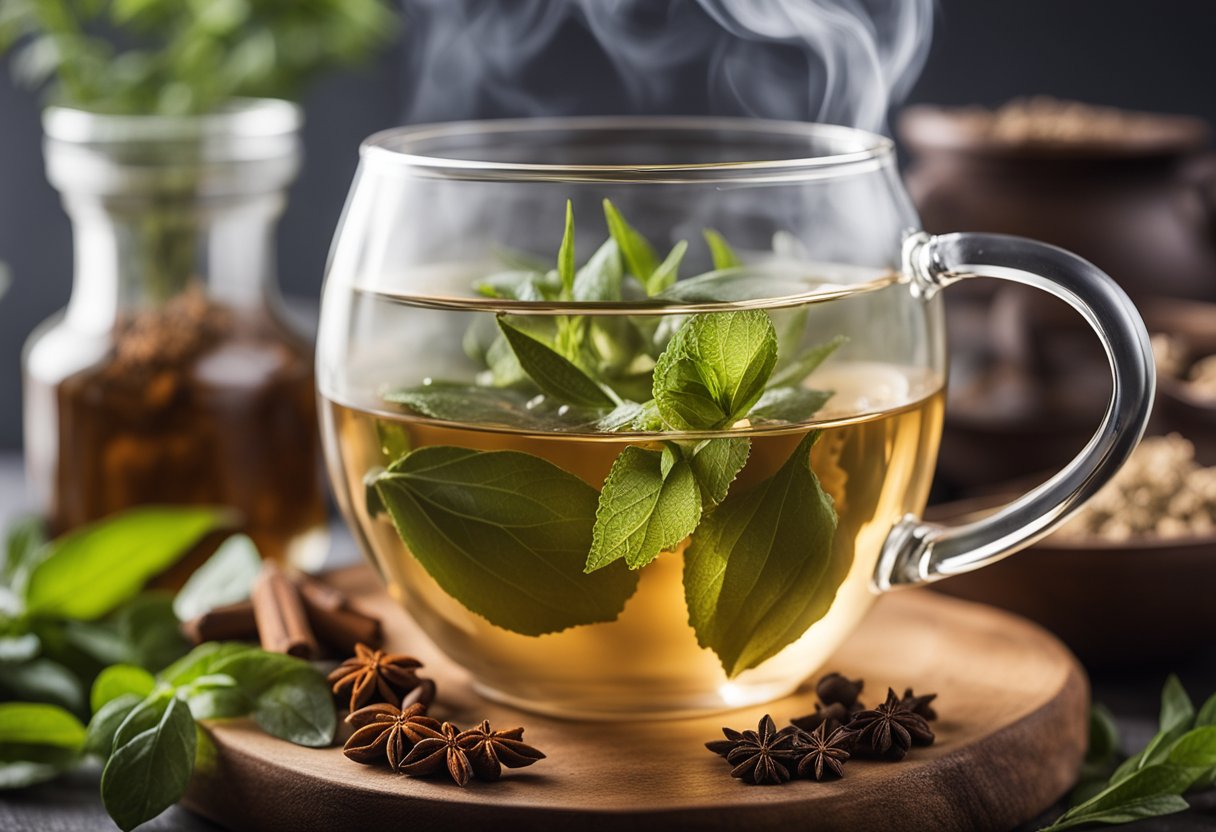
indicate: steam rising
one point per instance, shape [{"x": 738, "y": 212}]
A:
[{"x": 837, "y": 61}]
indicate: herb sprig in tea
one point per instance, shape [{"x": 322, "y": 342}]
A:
[{"x": 759, "y": 566}]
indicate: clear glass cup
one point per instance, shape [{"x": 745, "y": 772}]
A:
[
  {"x": 173, "y": 375},
  {"x": 504, "y": 495}
]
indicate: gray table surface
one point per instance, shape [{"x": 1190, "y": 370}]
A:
[{"x": 71, "y": 804}]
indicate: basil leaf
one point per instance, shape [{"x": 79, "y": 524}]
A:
[
  {"x": 103, "y": 726},
  {"x": 600, "y": 279},
  {"x": 202, "y": 661},
  {"x": 151, "y": 630},
  {"x": 24, "y": 546},
  {"x": 789, "y": 404},
  {"x": 256, "y": 670},
  {"x": 552, "y": 373},
  {"x": 226, "y": 578},
  {"x": 216, "y": 696},
  {"x": 117, "y": 680},
  {"x": 91, "y": 571},
  {"x": 1148, "y": 807},
  {"x": 37, "y": 743},
  {"x": 100, "y": 641},
  {"x": 43, "y": 680},
  {"x": 150, "y": 771},
  {"x": 506, "y": 534},
  {"x": 638, "y": 254},
  {"x": 38, "y": 724},
  {"x": 298, "y": 708},
  {"x": 761, "y": 569},
  {"x": 667, "y": 272},
  {"x": 806, "y": 363},
  {"x": 565, "y": 254},
  {"x": 723, "y": 255},
  {"x": 716, "y": 463},
  {"x": 644, "y": 509},
  {"x": 144, "y": 716},
  {"x": 714, "y": 369}
]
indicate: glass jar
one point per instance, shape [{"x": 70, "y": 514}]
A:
[
  {"x": 636, "y": 416},
  {"x": 172, "y": 376}
]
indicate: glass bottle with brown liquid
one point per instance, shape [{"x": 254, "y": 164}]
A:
[{"x": 172, "y": 376}]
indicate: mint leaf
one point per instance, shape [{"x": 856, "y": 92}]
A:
[
  {"x": 553, "y": 373},
  {"x": 119, "y": 679},
  {"x": 506, "y": 534},
  {"x": 482, "y": 405},
  {"x": 91, "y": 571},
  {"x": 600, "y": 278},
  {"x": 299, "y": 708},
  {"x": 806, "y": 363},
  {"x": 789, "y": 404},
  {"x": 716, "y": 463},
  {"x": 1148, "y": 807},
  {"x": 723, "y": 255},
  {"x": 649, "y": 504},
  {"x": 520, "y": 285},
  {"x": 104, "y": 724},
  {"x": 151, "y": 630},
  {"x": 635, "y": 249},
  {"x": 714, "y": 369},
  {"x": 621, "y": 417},
  {"x": 667, "y": 272},
  {"x": 24, "y": 544},
  {"x": 226, "y": 578},
  {"x": 761, "y": 569},
  {"x": 149, "y": 772},
  {"x": 740, "y": 283},
  {"x": 565, "y": 254}
]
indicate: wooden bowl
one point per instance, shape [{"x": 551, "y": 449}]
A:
[
  {"x": 1115, "y": 604},
  {"x": 1193, "y": 325}
]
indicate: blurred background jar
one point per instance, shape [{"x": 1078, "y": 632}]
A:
[{"x": 173, "y": 377}]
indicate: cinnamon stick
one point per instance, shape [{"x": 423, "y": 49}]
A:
[
  {"x": 335, "y": 623},
  {"x": 231, "y": 622},
  {"x": 282, "y": 623}
]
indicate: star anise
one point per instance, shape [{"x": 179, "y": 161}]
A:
[
  {"x": 919, "y": 705},
  {"x": 372, "y": 674},
  {"x": 838, "y": 689},
  {"x": 834, "y": 716},
  {"x": 889, "y": 730},
  {"x": 823, "y": 754},
  {"x": 436, "y": 750},
  {"x": 761, "y": 757},
  {"x": 384, "y": 732},
  {"x": 488, "y": 750}
]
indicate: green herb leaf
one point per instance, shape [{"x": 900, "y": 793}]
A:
[
  {"x": 23, "y": 548},
  {"x": 43, "y": 680},
  {"x": 91, "y": 571},
  {"x": 520, "y": 285},
  {"x": 789, "y": 404},
  {"x": 1207, "y": 714},
  {"x": 299, "y": 708},
  {"x": 149, "y": 772},
  {"x": 716, "y": 463},
  {"x": 151, "y": 630},
  {"x": 635, "y": 249},
  {"x": 714, "y": 369},
  {"x": 394, "y": 440},
  {"x": 486, "y": 405},
  {"x": 565, "y": 254},
  {"x": 552, "y": 373},
  {"x": 723, "y": 255},
  {"x": 1177, "y": 715},
  {"x": 506, "y": 534},
  {"x": 203, "y": 661},
  {"x": 647, "y": 506},
  {"x": 226, "y": 578},
  {"x": 741, "y": 283},
  {"x": 667, "y": 272},
  {"x": 761, "y": 569},
  {"x": 600, "y": 279},
  {"x": 806, "y": 363},
  {"x": 117, "y": 680},
  {"x": 29, "y": 723},
  {"x": 1148, "y": 807},
  {"x": 104, "y": 724}
]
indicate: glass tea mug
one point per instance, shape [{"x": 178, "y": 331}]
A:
[{"x": 450, "y": 267}]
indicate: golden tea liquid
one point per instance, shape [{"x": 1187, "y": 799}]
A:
[{"x": 875, "y": 457}]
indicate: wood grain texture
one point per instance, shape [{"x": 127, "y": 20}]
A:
[{"x": 1013, "y": 704}]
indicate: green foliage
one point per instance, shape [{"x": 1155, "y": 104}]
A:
[{"x": 178, "y": 57}]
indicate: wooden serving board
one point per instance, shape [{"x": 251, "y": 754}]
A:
[{"x": 1011, "y": 733}]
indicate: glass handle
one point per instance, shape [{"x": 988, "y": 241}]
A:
[{"x": 918, "y": 552}]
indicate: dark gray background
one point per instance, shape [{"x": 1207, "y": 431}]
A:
[{"x": 1158, "y": 55}]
